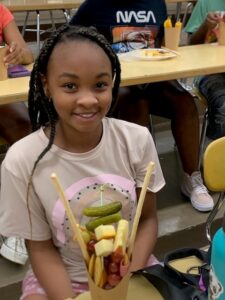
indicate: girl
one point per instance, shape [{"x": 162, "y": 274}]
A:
[{"x": 74, "y": 84}]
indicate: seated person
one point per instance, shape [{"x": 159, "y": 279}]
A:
[
  {"x": 14, "y": 118},
  {"x": 135, "y": 24},
  {"x": 202, "y": 27},
  {"x": 14, "y": 121}
]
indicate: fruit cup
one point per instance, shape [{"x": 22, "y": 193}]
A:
[{"x": 107, "y": 280}]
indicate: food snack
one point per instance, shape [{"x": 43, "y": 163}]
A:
[
  {"x": 155, "y": 52},
  {"x": 107, "y": 248},
  {"x": 108, "y": 269}
]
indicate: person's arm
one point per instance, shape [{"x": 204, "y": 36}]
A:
[
  {"x": 198, "y": 37},
  {"x": 49, "y": 269},
  {"x": 146, "y": 234},
  {"x": 18, "y": 52}
]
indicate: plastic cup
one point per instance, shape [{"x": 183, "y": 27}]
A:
[
  {"x": 117, "y": 293},
  {"x": 221, "y": 33},
  {"x": 172, "y": 37},
  {"x": 3, "y": 68}
]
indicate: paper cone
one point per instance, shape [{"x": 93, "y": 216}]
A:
[
  {"x": 172, "y": 37},
  {"x": 3, "y": 69},
  {"x": 119, "y": 292},
  {"x": 221, "y": 33}
]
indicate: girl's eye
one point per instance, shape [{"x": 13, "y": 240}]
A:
[
  {"x": 101, "y": 85},
  {"x": 70, "y": 86}
]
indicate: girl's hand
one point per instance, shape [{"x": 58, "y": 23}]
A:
[
  {"x": 212, "y": 20},
  {"x": 14, "y": 54}
]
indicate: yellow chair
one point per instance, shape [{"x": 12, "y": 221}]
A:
[{"x": 214, "y": 176}]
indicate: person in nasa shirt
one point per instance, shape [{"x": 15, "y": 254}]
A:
[{"x": 135, "y": 24}]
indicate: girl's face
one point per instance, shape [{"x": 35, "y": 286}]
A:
[{"x": 79, "y": 82}]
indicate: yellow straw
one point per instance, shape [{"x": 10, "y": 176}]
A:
[
  {"x": 71, "y": 217},
  {"x": 139, "y": 207}
]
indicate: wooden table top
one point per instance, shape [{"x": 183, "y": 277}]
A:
[
  {"x": 31, "y": 5},
  {"x": 192, "y": 61}
]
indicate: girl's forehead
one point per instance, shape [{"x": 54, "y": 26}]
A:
[
  {"x": 78, "y": 47},
  {"x": 79, "y": 53}
]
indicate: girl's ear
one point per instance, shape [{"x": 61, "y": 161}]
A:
[{"x": 45, "y": 85}]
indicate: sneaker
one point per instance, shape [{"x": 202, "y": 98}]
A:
[
  {"x": 193, "y": 188},
  {"x": 14, "y": 249}
]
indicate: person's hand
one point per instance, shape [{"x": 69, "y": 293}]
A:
[
  {"x": 14, "y": 54},
  {"x": 212, "y": 20}
]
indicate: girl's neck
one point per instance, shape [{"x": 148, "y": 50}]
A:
[{"x": 76, "y": 142}]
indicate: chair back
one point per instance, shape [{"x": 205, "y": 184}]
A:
[
  {"x": 214, "y": 177},
  {"x": 214, "y": 165}
]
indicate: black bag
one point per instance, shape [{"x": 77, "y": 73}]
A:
[{"x": 175, "y": 285}]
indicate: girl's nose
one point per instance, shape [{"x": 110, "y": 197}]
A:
[{"x": 87, "y": 99}]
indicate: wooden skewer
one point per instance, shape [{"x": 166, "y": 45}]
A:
[
  {"x": 139, "y": 207},
  {"x": 71, "y": 217}
]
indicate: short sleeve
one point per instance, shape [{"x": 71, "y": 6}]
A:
[
  {"x": 5, "y": 16},
  {"x": 197, "y": 17},
  {"x": 148, "y": 153},
  {"x": 19, "y": 217}
]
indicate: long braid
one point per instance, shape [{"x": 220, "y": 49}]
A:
[{"x": 41, "y": 109}]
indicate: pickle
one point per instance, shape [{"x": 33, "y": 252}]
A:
[
  {"x": 104, "y": 210},
  {"x": 92, "y": 224}
]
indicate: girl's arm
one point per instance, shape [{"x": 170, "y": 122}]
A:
[
  {"x": 18, "y": 51},
  {"x": 146, "y": 234},
  {"x": 49, "y": 269}
]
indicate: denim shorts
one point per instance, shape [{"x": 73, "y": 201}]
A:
[{"x": 213, "y": 89}]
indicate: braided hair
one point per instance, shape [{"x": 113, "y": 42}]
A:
[{"x": 41, "y": 110}]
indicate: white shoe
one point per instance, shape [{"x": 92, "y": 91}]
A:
[
  {"x": 14, "y": 249},
  {"x": 193, "y": 187}
]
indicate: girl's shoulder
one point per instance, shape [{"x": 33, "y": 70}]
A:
[
  {"x": 126, "y": 127},
  {"x": 26, "y": 149},
  {"x": 126, "y": 132}
]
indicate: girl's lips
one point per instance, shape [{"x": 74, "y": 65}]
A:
[{"x": 86, "y": 116}]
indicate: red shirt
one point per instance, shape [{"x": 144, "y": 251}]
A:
[{"x": 5, "y": 18}]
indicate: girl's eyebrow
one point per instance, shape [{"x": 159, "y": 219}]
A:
[{"x": 74, "y": 76}]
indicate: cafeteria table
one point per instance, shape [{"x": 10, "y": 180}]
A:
[{"x": 191, "y": 61}]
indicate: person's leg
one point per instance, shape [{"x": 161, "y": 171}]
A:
[
  {"x": 32, "y": 290},
  {"x": 213, "y": 89},
  {"x": 174, "y": 102},
  {"x": 14, "y": 122},
  {"x": 131, "y": 106}
]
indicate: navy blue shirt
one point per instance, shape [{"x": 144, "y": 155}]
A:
[{"x": 127, "y": 24}]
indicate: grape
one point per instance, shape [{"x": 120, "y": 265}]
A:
[
  {"x": 113, "y": 279},
  {"x": 116, "y": 257},
  {"x": 91, "y": 246},
  {"x": 106, "y": 262},
  {"x": 113, "y": 267}
]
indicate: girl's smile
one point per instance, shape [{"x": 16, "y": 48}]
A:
[{"x": 79, "y": 82}]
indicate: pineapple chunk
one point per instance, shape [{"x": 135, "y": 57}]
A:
[
  {"x": 121, "y": 236},
  {"x": 104, "y": 247},
  {"x": 105, "y": 232}
]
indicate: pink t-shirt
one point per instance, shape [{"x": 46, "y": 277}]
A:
[{"x": 5, "y": 18}]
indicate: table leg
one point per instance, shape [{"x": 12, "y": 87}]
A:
[
  {"x": 38, "y": 29},
  {"x": 25, "y": 24},
  {"x": 178, "y": 11},
  {"x": 66, "y": 15}
]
